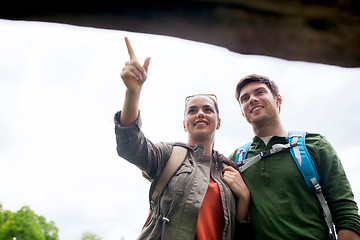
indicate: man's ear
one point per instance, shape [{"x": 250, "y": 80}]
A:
[
  {"x": 278, "y": 100},
  {"x": 184, "y": 126},
  {"x": 242, "y": 111}
]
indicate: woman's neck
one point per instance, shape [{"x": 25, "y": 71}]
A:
[{"x": 208, "y": 145}]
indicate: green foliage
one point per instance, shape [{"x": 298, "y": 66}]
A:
[
  {"x": 22, "y": 225},
  {"x": 90, "y": 236},
  {"x": 5, "y": 215},
  {"x": 26, "y": 225},
  {"x": 49, "y": 230}
]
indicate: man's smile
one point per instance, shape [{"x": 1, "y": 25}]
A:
[{"x": 256, "y": 109}]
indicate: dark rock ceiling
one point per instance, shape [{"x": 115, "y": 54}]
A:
[{"x": 319, "y": 31}]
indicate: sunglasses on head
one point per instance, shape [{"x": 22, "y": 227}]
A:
[{"x": 212, "y": 96}]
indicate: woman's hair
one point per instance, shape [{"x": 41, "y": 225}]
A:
[
  {"x": 220, "y": 159},
  {"x": 256, "y": 78}
]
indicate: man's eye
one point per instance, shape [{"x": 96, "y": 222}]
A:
[{"x": 244, "y": 99}]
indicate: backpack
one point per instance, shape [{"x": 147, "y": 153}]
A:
[
  {"x": 297, "y": 147},
  {"x": 172, "y": 165}
]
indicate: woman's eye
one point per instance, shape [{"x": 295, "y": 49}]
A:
[{"x": 191, "y": 111}]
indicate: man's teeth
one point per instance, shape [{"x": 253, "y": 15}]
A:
[
  {"x": 255, "y": 109},
  {"x": 201, "y": 124}
]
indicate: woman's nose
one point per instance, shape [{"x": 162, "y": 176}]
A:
[{"x": 200, "y": 113}]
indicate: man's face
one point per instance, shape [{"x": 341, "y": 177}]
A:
[{"x": 257, "y": 103}]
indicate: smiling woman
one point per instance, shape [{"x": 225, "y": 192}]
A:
[
  {"x": 201, "y": 120},
  {"x": 216, "y": 216}
]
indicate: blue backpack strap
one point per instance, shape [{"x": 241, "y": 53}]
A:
[
  {"x": 310, "y": 174},
  {"x": 302, "y": 157},
  {"x": 242, "y": 152}
]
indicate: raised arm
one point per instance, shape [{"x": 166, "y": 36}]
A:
[{"x": 133, "y": 75}]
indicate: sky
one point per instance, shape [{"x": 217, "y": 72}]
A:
[{"x": 60, "y": 87}]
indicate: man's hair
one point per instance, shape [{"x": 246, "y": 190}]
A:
[{"x": 256, "y": 78}]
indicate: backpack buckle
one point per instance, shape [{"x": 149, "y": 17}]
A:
[{"x": 265, "y": 153}]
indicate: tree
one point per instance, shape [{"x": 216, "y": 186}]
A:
[
  {"x": 4, "y": 215},
  {"x": 26, "y": 225},
  {"x": 90, "y": 236},
  {"x": 23, "y": 225},
  {"x": 49, "y": 230}
]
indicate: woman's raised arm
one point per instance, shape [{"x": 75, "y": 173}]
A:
[{"x": 133, "y": 75}]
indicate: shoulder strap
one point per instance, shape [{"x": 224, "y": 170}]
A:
[
  {"x": 177, "y": 157},
  {"x": 242, "y": 152},
  {"x": 246, "y": 163},
  {"x": 308, "y": 170},
  {"x": 302, "y": 157},
  {"x": 174, "y": 162}
]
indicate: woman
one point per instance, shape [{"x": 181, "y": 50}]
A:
[{"x": 204, "y": 197}]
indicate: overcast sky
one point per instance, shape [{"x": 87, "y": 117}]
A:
[{"x": 60, "y": 88}]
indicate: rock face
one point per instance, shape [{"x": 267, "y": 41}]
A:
[{"x": 321, "y": 31}]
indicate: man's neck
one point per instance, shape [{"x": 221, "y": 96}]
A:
[{"x": 270, "y": 130}]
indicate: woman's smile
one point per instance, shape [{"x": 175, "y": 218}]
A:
[{"x": 201, "y": 123}]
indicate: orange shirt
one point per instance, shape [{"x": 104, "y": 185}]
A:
[{"x": 210, "y": 224}]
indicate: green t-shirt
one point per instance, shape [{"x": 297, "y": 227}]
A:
[{"x": 283, "y": 206}]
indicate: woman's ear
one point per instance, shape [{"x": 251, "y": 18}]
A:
[
  {"x": 218, "y": 124},
  {"x": 184, "y": 126}
]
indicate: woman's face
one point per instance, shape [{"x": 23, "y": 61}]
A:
[{"x": 201, "y": 119}]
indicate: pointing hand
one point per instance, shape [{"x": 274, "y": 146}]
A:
[{"x": 134, "y": 74}]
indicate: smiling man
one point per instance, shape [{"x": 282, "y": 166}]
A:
[{"x": 282, "y": 205}]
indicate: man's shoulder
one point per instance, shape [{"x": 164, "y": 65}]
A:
[
  {"x": 314, "y": 135},
  {"x": 232, "y": 156},
  {"x": 314, "y": 138}
]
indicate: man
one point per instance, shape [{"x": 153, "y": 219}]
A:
[{"x": 282, "y": 205}]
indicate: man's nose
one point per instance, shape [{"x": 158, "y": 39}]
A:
[{"x": 253, "y": 99}]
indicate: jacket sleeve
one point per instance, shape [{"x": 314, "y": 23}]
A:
[
  {"x": 133, "y": 146},
  {"x": 335, "y": 185}
]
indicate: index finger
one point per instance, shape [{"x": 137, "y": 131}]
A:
[{"x": 130, "y": 49}]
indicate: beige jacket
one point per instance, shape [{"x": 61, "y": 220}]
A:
[{"x": 176, "y": 214}]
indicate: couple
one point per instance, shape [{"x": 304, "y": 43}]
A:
[{"x": 207, "y": 197}]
